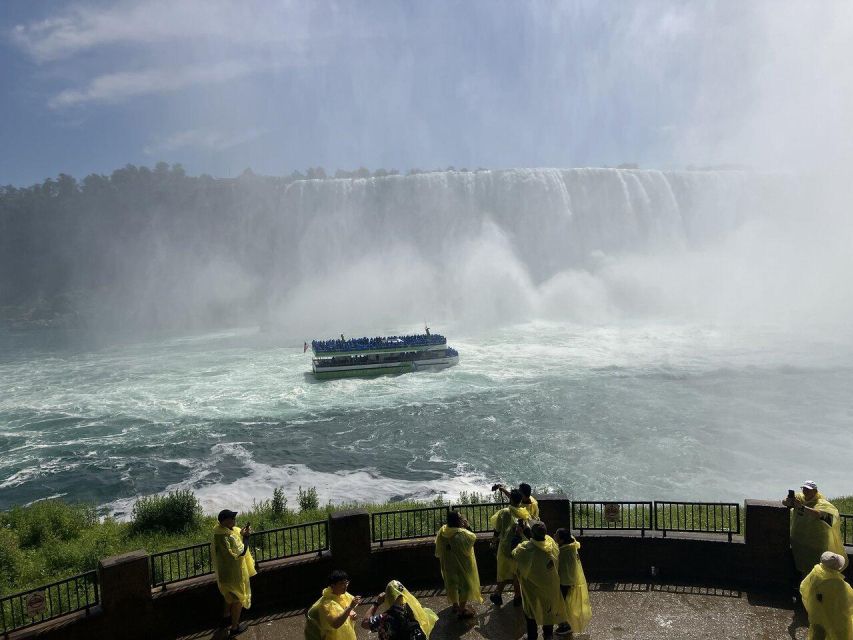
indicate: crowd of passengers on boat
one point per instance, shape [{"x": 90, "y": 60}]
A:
[{"x": 364, "y": 344}]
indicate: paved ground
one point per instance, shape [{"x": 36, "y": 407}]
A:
[{"x": 620, "y": 611}]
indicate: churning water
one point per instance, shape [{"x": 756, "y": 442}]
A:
[
  {"x": 622, "y": 334},
  {"x": 677, "y": 412}
]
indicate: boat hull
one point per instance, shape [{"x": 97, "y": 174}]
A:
[{"x": 383, "y": 369}]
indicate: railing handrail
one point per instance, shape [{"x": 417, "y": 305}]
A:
[
  {"x": 88, "y": 578},
  {"x": 179, "y": 549},
  {"x": 376, "y": 534},
  {"x": 725, "y": 517},
  {"x": 642, "y": 515},
  {"x": 324, "y": 535}
]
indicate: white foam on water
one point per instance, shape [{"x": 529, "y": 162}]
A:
[{"x": 361, "y": 485}]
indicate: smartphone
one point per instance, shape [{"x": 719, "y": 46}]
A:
[{"x": 790, "y": 494}]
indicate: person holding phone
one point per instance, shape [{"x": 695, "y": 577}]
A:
[
  {"x": 234, "y": 565},
  {"x": 815, "y": 527}
]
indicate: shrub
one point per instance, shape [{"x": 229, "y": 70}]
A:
[
  {"x": 49, "y": 520},
  {"x": 11, "y": 559},
  {"x": 279, "y": 502},
  {"x": 177, "y": 512},
  {"x": 308, "y": 499}
]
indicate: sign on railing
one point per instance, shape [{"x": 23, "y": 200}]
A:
[
  {"x": 624, "y": 516},
  {"x": 25, "y": 609},
  {"x": 698, "y": 517}
]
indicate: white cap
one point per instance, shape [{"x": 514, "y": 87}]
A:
[
  {"x": 809, "y": 484},
  {"x": 832, "y": 560}
]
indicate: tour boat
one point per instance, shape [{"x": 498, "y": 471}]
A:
[{"x": 380, "y": 356}]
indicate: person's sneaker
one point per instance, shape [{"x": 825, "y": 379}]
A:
[
  {"x": 496, "y": 599},
  {"x": 563, "y": 629},
  {"x": 516, "y": 601},
  {"x": 233, "y": 633}
]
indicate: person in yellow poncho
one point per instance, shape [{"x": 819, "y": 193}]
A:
[
  {"x": 828, "y": 599},
  {"x": 233, "y": 565},
  {"x": 527, "y": 500},
  {"x": 333, "y": 616},
  {"x": 504, "y": 524},
  {"x": 815, "y": 527},
  {"x": 539, "y": 578},
  {"x": 403, "y": 617},
  {"x": 454, "y": 547},
  {"x": 572, "y": 584}
]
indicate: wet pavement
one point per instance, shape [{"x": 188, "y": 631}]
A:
[{"x": 620, "y": 611}]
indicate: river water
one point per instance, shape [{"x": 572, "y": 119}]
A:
[{"x": 629, "y": 411}]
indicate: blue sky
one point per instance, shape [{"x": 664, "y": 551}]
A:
[{"x": 90, "y": 86}]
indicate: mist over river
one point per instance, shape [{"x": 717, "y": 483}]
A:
[{"x": 621, "y": 334}]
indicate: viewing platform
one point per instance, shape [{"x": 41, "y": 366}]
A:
[{"x": 656, "y": 569}]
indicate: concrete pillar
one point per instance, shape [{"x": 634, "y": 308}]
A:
[
  {"x": 555, "y": 510},
  {"x": 125, "y": 584},
  {"x": 349, "y": 541},
  {"x": 768, "y": 526},
  {"x": 768, "y": 548}
]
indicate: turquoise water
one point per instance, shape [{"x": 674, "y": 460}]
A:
[{"x": 631, "y": 412}]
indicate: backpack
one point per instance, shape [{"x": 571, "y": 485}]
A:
[{"x": 399, "y": 623}]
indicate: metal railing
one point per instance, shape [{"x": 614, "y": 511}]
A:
[
  {"x": 295, "y": 540},
  {"x": 408, "y": 524},
  {"x": 621, "y": 515},
  {"x": 697, "y": 517},
  {"x": 847, "y": 528},
  {"x": 168, "y": 567},
  {"x": 28, "y": 608},
  {"x": 478, "y": 515},
  {"x": 180, "y": 564}
]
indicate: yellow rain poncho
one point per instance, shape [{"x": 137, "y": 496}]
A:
[
  {"x": 571, "y": 573},
  {"x": 828, "y": 599},
  {"x": 318, "y": 624},
  {"x": 539, "y": 579},
  {"x": 810, "y": 537},
  {"x": 533, "y": 508},
  {"x": 454, "y": 547},
  {"x": 232, "y": 569},
  {"x": 425, "y": 617},
  {"x": 504, "y": 522}
]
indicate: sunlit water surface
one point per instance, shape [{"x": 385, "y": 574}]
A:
[{"x": 631, "y": 412}]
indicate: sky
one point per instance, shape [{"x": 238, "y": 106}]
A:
[{"x": 221, "y": 86}]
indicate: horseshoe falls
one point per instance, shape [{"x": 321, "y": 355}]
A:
[{"x": 630, "y": 334}]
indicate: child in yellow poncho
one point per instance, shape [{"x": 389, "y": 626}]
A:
[
  {"x": 815, "y": 527},
  {"x": 454, "y": 547},
  {"x": 333, "y": 616},
  {"x": 572, "y": 584},
  {"x": 504, "y": 524},
  {"x": 233, "y": 565},
  {"x": 828, "y": 599},
  {"x": 539, "y": 579}
]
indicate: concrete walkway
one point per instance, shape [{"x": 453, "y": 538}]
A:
[{"x": 620, "y": 611}]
